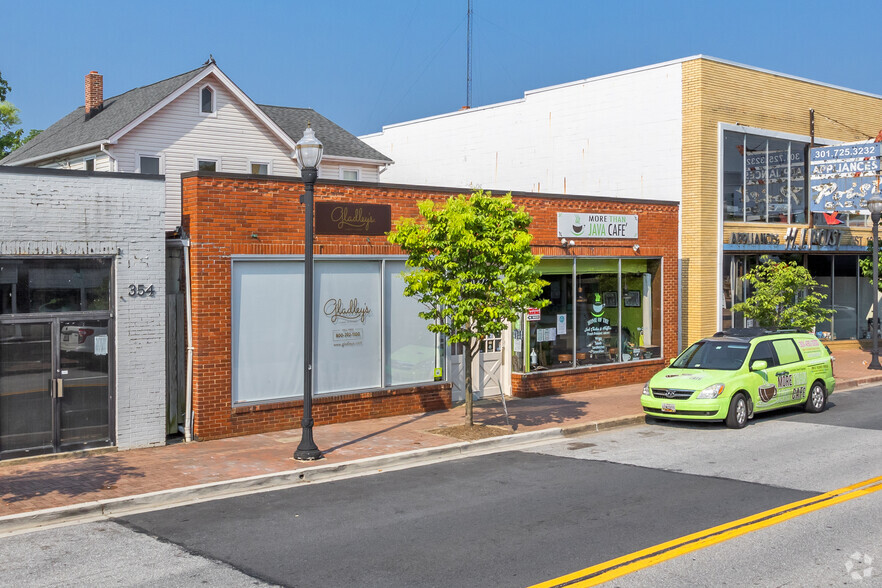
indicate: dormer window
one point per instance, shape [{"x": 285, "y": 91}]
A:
[{"x": 206, "y": 100}]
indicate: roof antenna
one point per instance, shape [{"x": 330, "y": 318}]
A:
[{"x": 469, "y": 60}]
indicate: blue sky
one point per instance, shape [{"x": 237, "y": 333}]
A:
[{"x": 364, "y": 64}]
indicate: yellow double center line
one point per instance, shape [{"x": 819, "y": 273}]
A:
[{"x": 653, "y": 555}]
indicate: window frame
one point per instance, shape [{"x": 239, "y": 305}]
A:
[
  {"x": 267, "y": 162},
  {"x": 799, "y": 357},
  {"x": 774, "y": 355},
  {"x": 522, "y": 324},
  {"x": 213, "y": 113},
  {"x": 215, "y": 159},
  {"x": 385, "y": 376},
  {"x": 158, "y": 156},
  {"x": 86, "y": 161},
  {"x": 357, "y": 171}
]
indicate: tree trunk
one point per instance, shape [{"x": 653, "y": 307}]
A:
[{"x": 467, "y": 350}]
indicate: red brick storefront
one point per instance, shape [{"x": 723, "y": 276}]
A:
[{"x": 229, "y": 214}]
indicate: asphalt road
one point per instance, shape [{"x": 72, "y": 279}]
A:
[{"x": 517, "y": 518}]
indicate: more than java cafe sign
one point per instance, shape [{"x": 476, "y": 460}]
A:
[{"x": 571, "y": 225}]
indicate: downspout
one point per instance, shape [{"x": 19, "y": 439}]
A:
[
  {"x": 188, "y": 422},
  {"x": 109, "y": 156}
]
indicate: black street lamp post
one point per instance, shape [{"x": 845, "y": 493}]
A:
[
  {"x": 309, "y": 154},
  {"x": 874, "y": 205}
]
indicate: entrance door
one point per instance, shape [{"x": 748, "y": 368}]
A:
[
  {"x": 54, "y": 386},
  {"x": 26, "y": 404},
  {"x": 489, "y": 377},
  {"x": 490, "y": 367}
]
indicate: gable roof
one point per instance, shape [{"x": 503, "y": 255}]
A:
[
  {"x": 335, "y": 139},
  {"x": 123, "y": 112},
  {"x": 74, "y": 130}
]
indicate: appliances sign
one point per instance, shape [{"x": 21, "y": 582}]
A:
[
  {"x": 844, "y": 176},
  {"x": 596, "y": 226}
]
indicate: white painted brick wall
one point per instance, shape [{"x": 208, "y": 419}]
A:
[
  {"x": 76, "y": 213},
  {"x": 618, "y": 135}
]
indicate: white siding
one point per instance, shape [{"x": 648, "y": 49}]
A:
[
  {"x": 334, "y": 171},
  {"x": 181, "y": 134},
  {"x": 78, "y": 162},
  {"x": 617, "y": 135}
]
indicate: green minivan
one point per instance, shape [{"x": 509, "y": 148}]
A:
[{"x": 737, "y": 373}]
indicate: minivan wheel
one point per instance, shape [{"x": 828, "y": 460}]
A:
[
  {"x": 817, "y": 398},
  {"x": 738, "y": 409}
]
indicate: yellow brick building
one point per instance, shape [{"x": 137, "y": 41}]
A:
[{"x": 722, "y": 99}]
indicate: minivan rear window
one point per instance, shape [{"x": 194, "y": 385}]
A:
[
  {"x": 786, "y": 350},
  {"x": 713, "y": 355}
]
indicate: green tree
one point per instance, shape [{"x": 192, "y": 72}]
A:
[
  {"x": 473, "y": 269},
  {"x": 10, "y": 137},
  {"x": 866, "y": 264},
  {"x": 785, "y": 296},
  {"x": 4, "y": 88}
]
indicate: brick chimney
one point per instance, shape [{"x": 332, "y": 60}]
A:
[{"x": 94, "y": 94}]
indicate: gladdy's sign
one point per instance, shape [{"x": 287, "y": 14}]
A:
[
  {"x": 596, "y": 226},
  {"x": 347, "y": 218}
]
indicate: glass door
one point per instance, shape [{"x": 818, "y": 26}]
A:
[
  {"x": 82, "y": 392},
  {"x": 54, "y": 386},
  {"x": 26, "y": 404}
]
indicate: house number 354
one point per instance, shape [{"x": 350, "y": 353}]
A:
[{"x": 141, "y": 290}]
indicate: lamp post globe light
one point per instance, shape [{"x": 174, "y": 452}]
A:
[
  {"x": 874, "y": 205},
  {"x": 309, "y": 154}
]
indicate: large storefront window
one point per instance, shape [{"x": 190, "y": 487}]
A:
[
  {"x": 347, "y": 326},
  {"x": 641, "y": 309},
  {"x": 411, "y": 350},
  {"x": 556, "y": 318},
  {"x": 598, "y": 300},
  {"x": 367, "y": 334},
  {"x": 54, "y": 285},
  {"x": 601, "y": 311},
  {"x": 267, "y": 326},
  {"x": 848, "y": 293},
  {"x": 763, "y": 179}
]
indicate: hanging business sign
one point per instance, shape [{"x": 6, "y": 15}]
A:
[
  {"x": 347, "y": 218},
  {"x": 843, "y": 177},
  {"x": 573, "y": 225}
]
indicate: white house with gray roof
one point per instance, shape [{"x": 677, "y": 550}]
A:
[{"x": 199, "y": 120}]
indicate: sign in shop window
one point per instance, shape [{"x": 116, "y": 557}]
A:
[
  {"x": 367, "y": 334},
  {"x": 844, "y": 176}
]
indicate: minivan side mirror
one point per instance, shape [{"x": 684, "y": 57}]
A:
[
  {"x": 673, "y": 359},
  {"x": 759, "y": 365}
]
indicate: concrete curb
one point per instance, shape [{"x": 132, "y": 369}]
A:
[
  {"x": 856, "y": 383},
  {"x": 111, "y": 507}
]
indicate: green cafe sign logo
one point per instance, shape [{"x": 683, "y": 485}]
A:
[
  {"x": 597, "y": 308},
  {"x": 597, "y": 324},
  {"x": 596, "y": 226}
]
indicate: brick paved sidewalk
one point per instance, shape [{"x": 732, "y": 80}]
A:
[{"x": 30, "y": 485}]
